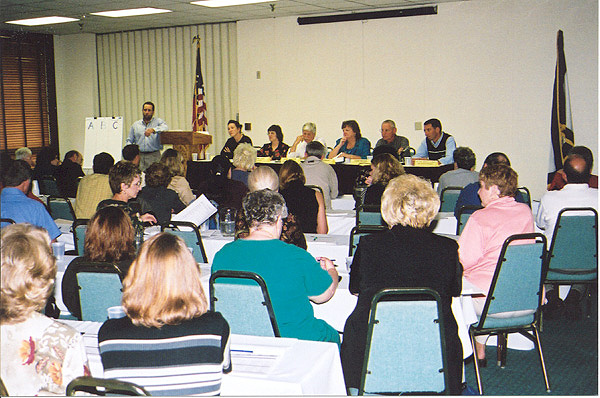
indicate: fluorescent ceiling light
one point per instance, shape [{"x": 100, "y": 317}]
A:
[
  {"x": 226, "y": 3},
  {"x": 130, "y": 12},
  {"x": 42, "y": 21}
]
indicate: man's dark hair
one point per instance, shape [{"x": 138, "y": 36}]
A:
[
  {"x": 17, "y": 172},
  {"x": 70, "y": 154},
  {"x": 315, "y": 148},
  {"x": 434, "y": 123},
  {"x": 464, "y": 158},
  {"x": 496, "y": 158},
  {"x": 353, "y": 124},
  {"x": 148, "y": 103},
  {"x": 586, "y": 154},
  {"x": 102, "y": 163},
  {"x": 576, "y": 175},
  {"x": 157, "y": 175},
  {"x": 130, "y": 151},
  {"x": 385, "y": 149},
  {"x": 122, "y": 172}
]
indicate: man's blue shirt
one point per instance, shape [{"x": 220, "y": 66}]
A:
[
  {"x": 422, "y": 151},
  {"x": 150, "y": 143},
  {"x": 16, "y": 205}
]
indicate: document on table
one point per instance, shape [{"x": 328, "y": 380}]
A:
[
  {"x": 258, "y": 358},
  {"x": 197, "y": 212}
]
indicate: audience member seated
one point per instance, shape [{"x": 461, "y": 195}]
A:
[
  {"x": 220, "y": 188},
  {"x": 109, "y": 238},
  {"x": 309, "y": 134},
  {"x": 124, "y": 180},
  {"x": 68, "y": 174},
  {"x": 469, "y": 194},
  {"x": 131, "y": 153},
  {"x": 576, "y": 193},
  {"x": 319, "y": 173},
  {"x": 5, "y": 162},
  {"x": 94, "y": 188},
  {"x": 46, "y": 163},
  {"x": 384, "y": 168},
  {"x": 177, "y": 167},
  {"x": 234, "y": 128},
  {"x": 352, "y": 145},
  {"x": 163, "y": 201},
  {"x": 408, "y": 255},
  {"x": 389, "y": 138},
  {"x": 292, "y": 275},
  {"x": 26, "y": 155},
  {"x": 486, "y": 230},
  {"x": 14, "y": 203},
  {"x": 244, "y": 160},
  {"x": 305, "y": 203},
  {"x": 265, "y": 177},
  {"x": 463, "y": 174},
  {"x": 275, "y": 148},
  {"x": 168, "y": 342},
  {"x": 560, "y": 178},
  {"x": 437, "y": 145},
  {"x": 40, "y": 356}
]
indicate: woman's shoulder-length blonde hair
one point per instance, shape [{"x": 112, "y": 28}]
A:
[
  {"x": 244, "y": 156},
  {"x": 174, "y": 162},
  {"x": 410, "y": 201},
  {"x": 163, "y": 285},
  {"x": 386, "y": 167},
  {"x": 28, "y": 271}
]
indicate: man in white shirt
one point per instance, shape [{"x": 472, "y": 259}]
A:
[
  {"x": 318, "y": 173},
  {"x": 309, "y": 134}
]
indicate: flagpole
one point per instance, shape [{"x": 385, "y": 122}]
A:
[{"x": 199, "y": 100}]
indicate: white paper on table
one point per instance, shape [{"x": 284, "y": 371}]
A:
[
  {"x": 257, "y": 358},
  {"x": 197, "y": 212}
]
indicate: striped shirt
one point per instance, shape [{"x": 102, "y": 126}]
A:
[{"x": 184, "y": 359}]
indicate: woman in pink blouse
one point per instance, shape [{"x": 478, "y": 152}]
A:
[{"x": 487, "y": 229}]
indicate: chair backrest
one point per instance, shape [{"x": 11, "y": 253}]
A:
[
  {"x": 7, "y": 220},
  {"x": 60, "y": 207},
  {"x": 517, "y": 283},
  {"x": 243, "y": 299},
  {"x": 108, "y": 387},
  {"x": 463, "y": 215},
  {"x": 190, "y": 233},
  {"x": 573, "y": 254},
  {"x": 97, "y": 292},
  {"x": 406, "y": 348},
  {"x": 79, "y": 227},
  {"x": 3, "y": 390},
  {"x": 369, "y": 215},
  {"x": 526, "y": 195},
  {"x": 448, "y": 198},
  {"x": 357, "y": 232},
  {"x": 48, "y": 186}
]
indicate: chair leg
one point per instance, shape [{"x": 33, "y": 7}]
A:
[
  {"x": 475, "y": 363},
  {"x": 539, "y": 348},
  {"x": 501, "y": 350}
]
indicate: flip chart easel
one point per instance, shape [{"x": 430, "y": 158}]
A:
[{"x": 102, "y": 134}]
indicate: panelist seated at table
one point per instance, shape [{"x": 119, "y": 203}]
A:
[
  {"x": 293, "y": 277},
  {"x": 168, "y": 342},
  {"x": 234, "y": 128},
  {"x": 309, "y": 134},
  {"x": 352, "y": 145},
  {"x": 437, "y": 145},
  {"x": 384, "y": 168},
  {"x": 486, "y": 230},
  {"x": 162, "y": 201},
  {"x": 275, "y": 148},
  {"x": 408, "y": 255},
  {"x": 40, "y": 356}
]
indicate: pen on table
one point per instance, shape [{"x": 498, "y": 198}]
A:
[{"x": 248, "y": 351}]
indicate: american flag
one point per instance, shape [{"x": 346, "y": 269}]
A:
[{"x": 199, "y": 122}]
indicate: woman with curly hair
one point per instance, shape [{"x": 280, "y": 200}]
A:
[{"x": 384, "y": 167}]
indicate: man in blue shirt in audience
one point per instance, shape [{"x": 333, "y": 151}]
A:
[
  {"x": 437, "y": 144},
  {"x": 146, "y": 134}
]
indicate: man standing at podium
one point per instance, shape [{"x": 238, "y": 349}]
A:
[{"x": 145, "y": 134}]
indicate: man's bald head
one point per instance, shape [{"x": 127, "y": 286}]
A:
[{"x": 576, "y": 169}]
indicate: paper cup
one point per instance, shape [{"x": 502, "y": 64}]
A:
[
  {"x": 58, "y": 249},
  {"x": 115, "y": 312}
]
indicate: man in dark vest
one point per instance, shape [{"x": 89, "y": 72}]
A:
[{"x": 437, "y": 145}]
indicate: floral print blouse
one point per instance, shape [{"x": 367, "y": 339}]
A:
[
  {"x": 40, "y": 356},
  {"x": 280, "y": 152}
]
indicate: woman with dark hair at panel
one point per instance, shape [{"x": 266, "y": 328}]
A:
[
  {"x": 275, "y": 148},
  {"x": 408, "y": 255},
  {"x": 168, "y": 342},
  {"x": 244, "y": 160},
  {"x": 234, "y": 128},
  {"x": 220, "y": 187},
  {"x": 177, "y": 167},
  {"x": 163, "y": 201},
  {"x": 305, "y": 203},
  {"x": 352, "y": 145},
  {"x": 40, "y": 356},
  {"x": 292, "y": 275},
  {"x": 384, "y": 168},
  {"x": 109, "y": 239}
]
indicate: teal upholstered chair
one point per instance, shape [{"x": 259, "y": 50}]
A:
[
  {"x": 357, "y": 232},
  {"x": 97, "y": 292},
  {"x": 190, "y": 233},
  {"x": 369, "y": 215},
  {"x": 448, "y": 198}
]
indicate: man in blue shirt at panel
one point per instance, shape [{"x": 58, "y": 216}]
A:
[
  {"x": 15, "y": 204},
  {"x": 437, "y": 145},
  {"x": 145, "y": 134}
]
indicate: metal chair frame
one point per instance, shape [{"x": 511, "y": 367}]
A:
[
  {"x": 464, "y": 210},
  {"x": 526, "y": 195},
  {"x": 110, "y": 386},
  {"x": 59, "y": 199},
  {"x": 170, "y": 225},
  {"x": 443, "y": 202},
  {"x": 362, "y": 230},
  {"x": 360, "y": 210},
  {"x": 79, "y": 240}
]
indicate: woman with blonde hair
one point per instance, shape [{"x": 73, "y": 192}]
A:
[
  {"x": 177, "y": 167},
  {"x": 40, "y": 356},
  {"x": 244, "y": 159},
  {"x": 408, "y": 255},
  {"x": 168, "y": 342},
  {"x": 384, "y": 167}
]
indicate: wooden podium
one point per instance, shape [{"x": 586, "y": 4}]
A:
[{"x": 187, "y": 142}]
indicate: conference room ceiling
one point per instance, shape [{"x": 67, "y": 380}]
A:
[{"x": 183, "y": 13}]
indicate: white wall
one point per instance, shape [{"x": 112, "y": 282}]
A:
[
  {"x": 76, "y": 87},
  {"x": 484, "y": 68}
]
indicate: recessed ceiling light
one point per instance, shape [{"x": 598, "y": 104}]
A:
[
  {"x": 130, "y": 12},
  {"x": 225, "y": 3},
  {"x": 42, "y": 21}
]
